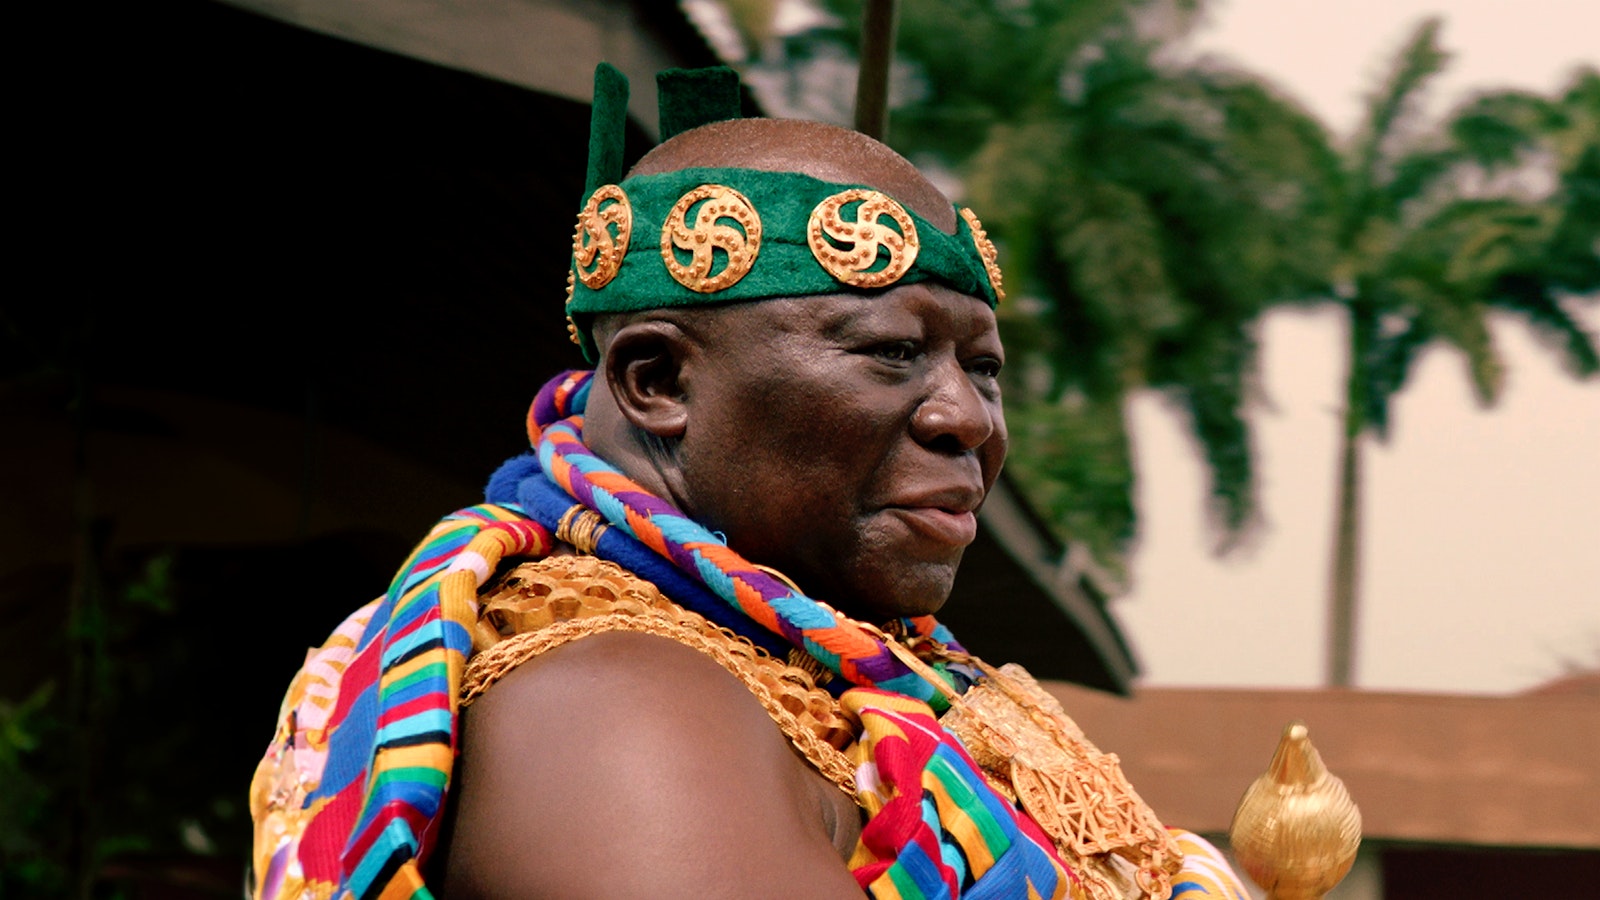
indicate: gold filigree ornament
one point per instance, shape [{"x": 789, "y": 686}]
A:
[
  {"x": 599, "y": 244},
  {"x": 986, "y": 252},
  {"x": 1029, "y": 749},
  {"x": 849, "y": 250},
  {"x": 708, "y": 234},
  {"x": 601, "y": 240}
]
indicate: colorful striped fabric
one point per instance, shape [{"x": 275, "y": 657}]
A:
[
  {"x": 1206, "y": 874},
  {"x": 934, "y": 827},
  {"x": 346, "y": 799}
]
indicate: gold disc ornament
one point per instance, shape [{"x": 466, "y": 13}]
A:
[
  {"x": 601, "y": 240},
  {"x": 850, "y": 249},
  {"x": 710, "y": 231}
]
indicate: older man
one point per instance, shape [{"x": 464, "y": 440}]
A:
[{"x": 692, "y": 631}]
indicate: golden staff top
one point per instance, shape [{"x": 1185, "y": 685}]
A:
[{"x": 1296, "y": 830}]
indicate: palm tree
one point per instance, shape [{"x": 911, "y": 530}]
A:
[
  {"x": 1148, "y": 211},
  {"x": 1434, "y": 232}
]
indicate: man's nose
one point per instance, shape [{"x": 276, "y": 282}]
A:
[{"x": 953, "y": 417}]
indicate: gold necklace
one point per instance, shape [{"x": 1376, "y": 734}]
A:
[{"x": 1030, "y": 751}]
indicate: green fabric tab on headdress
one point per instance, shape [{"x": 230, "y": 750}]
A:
[
  {"x": 689, "y": 98},
  {"x": 608, "y": 126}
]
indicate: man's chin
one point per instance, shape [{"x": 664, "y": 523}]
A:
[{"x": 921, "y": 591}]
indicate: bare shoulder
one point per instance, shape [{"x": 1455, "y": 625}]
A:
[{"x": 628, "y": 765}]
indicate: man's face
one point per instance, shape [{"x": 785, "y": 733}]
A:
[{"x": 848, "y": 440}]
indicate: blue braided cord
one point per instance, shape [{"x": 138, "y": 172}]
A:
[
  {"x": 909, "y": 684},
  {"x": 716, "y": 579},
  {"x": 677, "y": 530},
  {"x": 587, "y": 463},
  {"x": 823, "y": 654},
  {"x": 615, "y": 511},
  {"x": 803, "y": 611},
  {"x": 685, "y": 530},
  {"x": 578, "y": 400},
  {"x": 545, "y": 502}
]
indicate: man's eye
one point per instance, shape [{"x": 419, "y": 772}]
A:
[
  {"x": 897, "y": 351},
  {"x": 988, "y": 367}
]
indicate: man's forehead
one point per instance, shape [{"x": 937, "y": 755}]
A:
[{"x": 822, "y": 151}]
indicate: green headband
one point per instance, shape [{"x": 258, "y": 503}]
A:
[{"x": 724, "y": 235}]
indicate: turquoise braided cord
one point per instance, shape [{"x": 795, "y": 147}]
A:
[{"x": 811, "y": 626}]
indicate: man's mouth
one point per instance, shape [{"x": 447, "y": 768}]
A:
[
  {"x": 953, "y": 526},
  {"x": 947, "y": 515}
]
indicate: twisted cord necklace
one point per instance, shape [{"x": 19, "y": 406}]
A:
[{"x": 859, "y": 653}]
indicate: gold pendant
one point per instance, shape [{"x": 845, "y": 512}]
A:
[
  {"x": 1033, "y": 753},
  {"x": 1017, "y": 732}
]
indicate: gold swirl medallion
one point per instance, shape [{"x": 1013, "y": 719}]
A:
[
  {"x": 849, "y": 249},
  {"x": 986, "y": 252},
  {"x": 707, "y": 234},
  {"x": 601, "y": 239}
]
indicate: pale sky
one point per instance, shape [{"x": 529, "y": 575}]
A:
[{"x": 1482, "y": 561}]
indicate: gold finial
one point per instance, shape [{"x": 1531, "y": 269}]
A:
[{"x": 1296, "y": 829}]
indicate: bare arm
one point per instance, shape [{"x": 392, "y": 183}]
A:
[{"x": 626, "y": 765}]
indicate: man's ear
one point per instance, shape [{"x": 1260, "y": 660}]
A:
[{"x": 643, "y": 367}]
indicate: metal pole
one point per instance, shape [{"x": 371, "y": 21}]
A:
[{"x": 877, "y": 51}]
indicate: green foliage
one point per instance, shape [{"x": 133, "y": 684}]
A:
[
  {"x": 26, "y": 816},
  {"x": 102, "y": 771},
  {"x": 1146, "y": 212},
  {"x": 1080, "y": 465},
  {"x": 1440, "y": 226}
]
